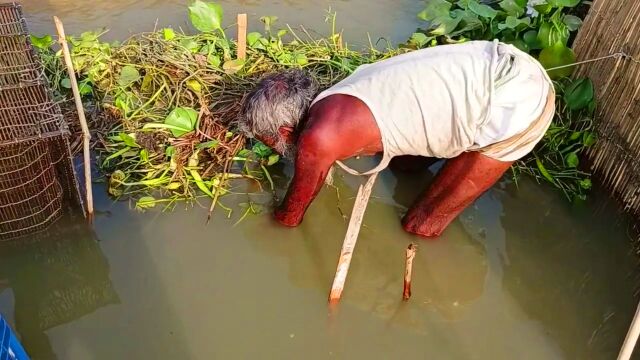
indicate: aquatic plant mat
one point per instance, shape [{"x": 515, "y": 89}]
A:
[
  {"x": 167, "y": 100},
  {"x": 615, "y": 158},
  {"x": 36, "y": 172}
]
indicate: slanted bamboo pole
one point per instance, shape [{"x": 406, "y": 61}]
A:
[
  {"x": 632, "y": 337},
  {"x": 350, "y": 239},
  {"x": 83, "y": 121},
  {"x": 410, "y": 254},
  {"x": 242, "y": 36}
]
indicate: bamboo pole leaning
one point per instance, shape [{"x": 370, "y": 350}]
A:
[
  {"x": 83, "y": 121},
  {"x": 350, "y": 239},
  {"x": 632, "y": 337}
]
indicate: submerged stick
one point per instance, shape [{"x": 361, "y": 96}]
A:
[
  {"x": 350, "y": 239},
  {"x": 242, "y": 36},
  {"x": 410, "y": 253},
  {"x": 632, "y": 337},
  {"x": 83, "y": 121}
]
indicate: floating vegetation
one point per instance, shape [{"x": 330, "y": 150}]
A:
[{"x": 167, "y": 100}]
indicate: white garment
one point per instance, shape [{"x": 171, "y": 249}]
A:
[{"x": 445, "y": 100}]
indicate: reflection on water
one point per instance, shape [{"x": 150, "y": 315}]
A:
[
  {"x": 55, "y": 278},
  {"x": 520, "y": 275}
]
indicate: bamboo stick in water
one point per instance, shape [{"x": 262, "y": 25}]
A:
[
  {"x": 632, "y": 337},
  {"x": 350, "y": 239},
  {"x": 83, "y": 121},
  {"x": 410, "y": 254}
]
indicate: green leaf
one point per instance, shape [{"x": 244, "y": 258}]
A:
[
  {"x": 544, "y": 171},
  {"x": 128, "y": 140},
  {"x": 190, "y": 45},
  {"x": 511, "y": 22},
  {"x": 531, "y": 39},
  {"x": 282, "y": 32},
  {"x": 482, "y": 9},
  {"x": 253, "y": 40},
  {"x": 586, "y": 184},
  {"x": 42, "y": 42},
  {"x": 575, "y": 135},
  {"x": 145, "y": 202},
  {"x": 513, "y": 7},
  {"x": 170, "y": 150},
  {"x": 557, "y": 55},
  {"x": 85, "y": 87},
  {"x": 200, "y": 183},
  {"x": 419, "y": 39},
  {"x": 579, "y": 94},
  {"x": 437, "y": 13},
  {"x": 572, "y": 160},
  {"x": 261, "y": 150},
  {"x": 273, "y": 158},
  {"x": 128, "y": 75},
  {"x": 206, "y": 16},
  {"x": 168, "y": 34},
  {"x": 182, "y": 120},
  {"x": 300, "y": 59},
  {"x": 435, "y": 9},
  {"x": 573, "y": 22},
  {"x": 65, "y": 83},
  {"x": 563, "y": 3},
  {"x": 194, "y": 85},
  {"x": 214, "y": 60},
  {"x": 144, "y": 155},
  {"x": 116, "y": 154},
  {"x": 588, "y": 139},
  {"x": 212, "y": 144},
  {"x": 550, "y": 34},
  {"x": 233, "y": 66}
]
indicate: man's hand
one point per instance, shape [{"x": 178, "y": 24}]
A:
[
  {"x": 287, "y": 218},
  {"x": 313, "y": 160}
]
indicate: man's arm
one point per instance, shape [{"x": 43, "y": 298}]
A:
[
  {"x": 461, "y": 181},
  {"x": 313, "y": 161}
]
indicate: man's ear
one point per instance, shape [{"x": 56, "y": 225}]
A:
[{"x": 287, "y": 133}]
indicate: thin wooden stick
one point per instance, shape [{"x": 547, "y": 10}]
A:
[
  {"x": 350, "y": 239},
  {"x": 83, "y": 121},
  {"x": 410, "y": 253},
  {"x": 242, "y": 36},
  {"x": 632, "y": 337}
]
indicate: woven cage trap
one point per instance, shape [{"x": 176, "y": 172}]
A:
[{"x": 37, "y": 181}]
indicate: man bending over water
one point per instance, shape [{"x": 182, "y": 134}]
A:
[{"x": 480, "y": 104}]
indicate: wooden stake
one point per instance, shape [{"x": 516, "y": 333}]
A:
[
  {"x": 632, "y": 337},
  {"x": 242, "y": 36},
  {"x": 350, "y": 239},
  {"x": 410, "y": 253},
  {"x": 83, "y": 121}
]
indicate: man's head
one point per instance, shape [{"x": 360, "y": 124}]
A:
[{"x": 272, "y": 111}]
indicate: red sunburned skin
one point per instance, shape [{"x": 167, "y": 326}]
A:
[{"x": 340, "y": 127}]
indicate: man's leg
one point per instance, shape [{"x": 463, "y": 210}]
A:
[{"x": 461, "y": 181}]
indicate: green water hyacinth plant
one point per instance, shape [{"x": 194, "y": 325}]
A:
[{"x": 167, "y": 99}]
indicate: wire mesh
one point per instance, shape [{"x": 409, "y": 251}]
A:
[
  {"x": 12, "y": 21},
  {"x": 19, "y": 64},
  {"x": 37, "y": 181},
  {"x": 30, "y": 193}
]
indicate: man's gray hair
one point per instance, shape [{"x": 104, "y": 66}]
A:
[{"x": 280, "y": 99}]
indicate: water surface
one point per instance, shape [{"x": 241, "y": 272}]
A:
[{"x": 522, "y": 274}]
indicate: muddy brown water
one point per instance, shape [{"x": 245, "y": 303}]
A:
[{"x": 522, "y": 274}]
